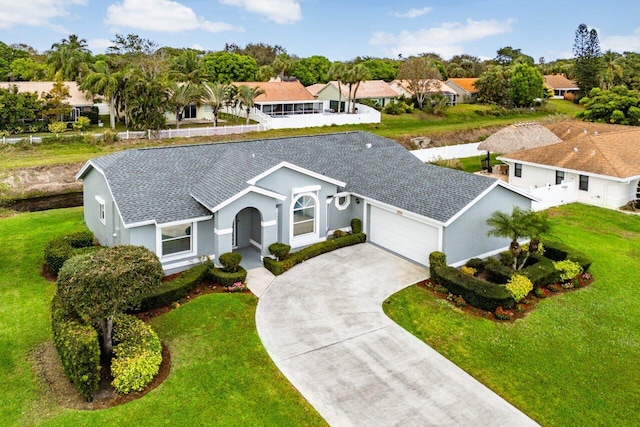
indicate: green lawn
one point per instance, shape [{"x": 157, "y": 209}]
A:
[
  {"x": 220, "y": 374},
  {"x": 573, "y": 360},
  {"x": 460, "y": 117}
]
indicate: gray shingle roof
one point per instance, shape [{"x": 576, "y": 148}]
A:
[{"x": 158, "y": 183}]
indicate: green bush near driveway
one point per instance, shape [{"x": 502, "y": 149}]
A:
[{"x": 173, "y": 290}]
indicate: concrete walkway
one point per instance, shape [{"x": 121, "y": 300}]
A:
[{"x": 322, "y": 323}]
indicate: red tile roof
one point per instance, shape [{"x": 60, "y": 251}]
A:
[
  {"x": 466, "y": 83},
  {"x": 279, "y": 91}
]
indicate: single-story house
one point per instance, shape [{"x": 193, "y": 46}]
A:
[
  {"x": 596, "y": 169},
  {"x": 562, "y": 87},
  {"x": 284, "y": 98},
  {"x": 189, "y": 202},
  {"x": 373, "y": 90},
  {"x": 465, "y": 88},
  {"x": 78, "y": 99},
  {"x": 402, "y": 88}
]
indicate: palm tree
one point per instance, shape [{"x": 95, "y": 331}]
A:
[
  {"x": 515, "y": 226},
  {"x": 215, "y": 95},
  {"x": 69, "y": 57},
  {"x": 612, "y": 70},
  {"x": 247, "y": 96},
  {"x": 103, "y": 81},
  {"x": 188, "y": 67},
  {"x": 337, "y": 72},
  {"x": 282, "y": 65},
  {"x": 181, "y": 96},
  {"x": 357, "y": 75}
]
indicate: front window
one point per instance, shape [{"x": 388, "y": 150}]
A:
[
  {"x": 304, "y": 216},
  {"x": 559, "y": 177},
  {"x": 584, "y": 183},
  {"x": 102, "y": 213},
  {"x": 176, "y": 239},
  {"x": 517, "y": 171},
  {"x": 190, "y": 112}
]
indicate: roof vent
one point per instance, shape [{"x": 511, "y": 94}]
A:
[
  {"x": 368, "y": 145},
  {"x": 575, "y": 149}
]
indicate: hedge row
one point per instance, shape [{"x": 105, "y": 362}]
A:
[
  {"x": 542, "y": 273},
  {"x": 279, "y": 267},
  {"x": 173, "y": 290},
  {"x": 227, "y": 278},
  {"x": 137, "y": 354},
  {"x": 557, "y": 251},
  {"x": 78, "y": 347},
  {"x": 476, "y": 292},
  {"x": 61, "y": 249}
]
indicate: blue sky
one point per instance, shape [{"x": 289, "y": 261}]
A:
[{"x": 339, "y": 30}]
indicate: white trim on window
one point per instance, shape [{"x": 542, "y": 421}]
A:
[
  {"x": 307, "y": 189},
  {"x": 102, "y": 211},
  {"x": 310, "y": 237},
  {"x": 345, "y": 203},
  {"x": 193, "y": 240}
]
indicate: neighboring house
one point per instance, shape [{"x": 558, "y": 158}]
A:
[
  {"x": 562, "y": 87},
  {"x": 372, "y": 90},
  {"x": 465, "y": 89},
  {"x": 402, "y": 88},
  {"x": 190, "y": 202},
  {"x": 78, "y": 99},
  {"x": 596, "y": 169},
  {"x": 282, "y": 98}
]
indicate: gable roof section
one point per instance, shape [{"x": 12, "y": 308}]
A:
[
  {"x": 615, "y": 154},
  {"x": 368, "y": 89},
  {"x": 559, "y": 81},
  {"x": 465, "y": 83},
  {"x": 279, "y": 91},
  {"x": 437, "y": 86},
  {"x": 77, "y": 98},
  {"x": 156, "y": 184},
  {"x": 316, "y": 88}
]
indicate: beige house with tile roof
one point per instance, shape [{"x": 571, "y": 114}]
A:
[
  {"x": 562, "y": 87},
  {"x": 465, "y": 88},
  {"x": 402, "y": 88},
  {"x": 374, "y": 90},
  {"x": 596, "y": 169}
]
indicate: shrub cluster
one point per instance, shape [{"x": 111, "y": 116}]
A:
[
  {"x": 61, "y": 249},
  {"x": 557, "y": 251},
  {"x": 78, "y": 348},
  {"x": 227, "y": 279},
  {"x": 519, "y": 286},
  {"x": 479, "y": 293},
  {"x": 436, "y": 259},
  {"x": 542, "y": 272},
  {"x": 356, "y": 226},
  {"x": 396, "y": 108},
  {"x": 279, "y": 250},
  {"x": 475, "y": 263},
  {"x": 137, "y": 354},
  {"x": 175, "y": 289},
  {"x": 497, "y": 272},
  {"x": 279, "y": 267},
  {"x": 568, "y": 269},
  {"x": 230, "y": 261}
]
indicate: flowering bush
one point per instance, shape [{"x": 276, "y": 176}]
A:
[
  {"x": 468, "y": 270},
  {"x": 568, "y": 269},
  {"x": 519, "y": 286},
  {"x": 457, "y": 300},
  {"x": 237, "y": 287},
  {"x": 502, "y": 314}
]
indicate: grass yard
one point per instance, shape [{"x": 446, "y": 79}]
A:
[
  {"x": 220, "y": 374},
  {"x": 573, "y": 360}
]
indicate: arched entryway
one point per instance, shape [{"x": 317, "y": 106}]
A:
[{"x": 247, "y": 236}]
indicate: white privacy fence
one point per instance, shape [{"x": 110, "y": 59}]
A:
[
  {"x": 448, "y": 152},
  {"x": 554, "y": 195}
]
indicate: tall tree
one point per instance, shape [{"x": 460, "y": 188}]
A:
[
  {"x": 188, "y": 67},
  {"x": 247, "y": 96},
  {"x": 421, "y": 76},
  {"x": 612, "y": 70},
  {"x": 494, "y": 86},
  {"x": 56, "y": 106},
  {"x": 526, "y": 85},
  {"x": 282, "y": 65},
  {"x": 586, "y": 50},
  {"x": 311, "y": 70},
  {"x": 104, "y": 80},
  {"x": 263, "y": 53},
  {"x": 69, "y": 57},
  {"x": 228, "y": 67},
  {"x": 353, "y": 77},
  {"x": 215, "y": 95},
  {"x": 337, "y": 72},
  {"x": 181, "y": 95}
]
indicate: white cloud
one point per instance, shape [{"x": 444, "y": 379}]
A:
[
  {"x": 99, "y": 44},
  {"x": 278, "y": 11},
  {"x": 446, "y": 40},
  {"x": 160, "y": 15},
  {"x": 622, "y": 44},
  {"x": 35, "y": 13},
  {"x": 412, "y": 13}
]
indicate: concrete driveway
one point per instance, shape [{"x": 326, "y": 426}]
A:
[{"x": 322, "y": 323}]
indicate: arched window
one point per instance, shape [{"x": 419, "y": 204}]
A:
[{"x": 304, "y": 215}]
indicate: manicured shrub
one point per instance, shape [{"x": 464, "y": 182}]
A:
[
  {"x": 57, "y": 127},
  {"x": 338, "y": 233},
  {"x": 173, "y": 290},
  {"x": 279, "y": 267},
  {"x": 356, "y": 226},
  {"x": 82, "y": 124},
  {"x": 468, "y": 270},
  {"x": 497, "y": 272},
  {"x": 541, "y": 272},
  {"x": 557, "y": 251},
  {"x": 228, "y": 279},
  {"x": 279, "y": 250},
  {"x": 230, "y": 261},
  {"x": 519, "y": 286},
  {"x": 436, "y": 259},
  {"x": 61, "y": 249},
  {"x": 476, "y": 263},
  {"x": 78, "y": 348},
  {"x": 137, "y": 354},
  {"x": 478, "y": 293},
  {"x": 568, "y": 269}
]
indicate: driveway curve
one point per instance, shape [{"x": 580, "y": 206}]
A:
[{"x": 322, "y": 324}]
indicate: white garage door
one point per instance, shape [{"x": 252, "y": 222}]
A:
[{"x": 404, "y": 236}]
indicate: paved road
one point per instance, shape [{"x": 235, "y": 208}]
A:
[{"x": 322, "y": 323}]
